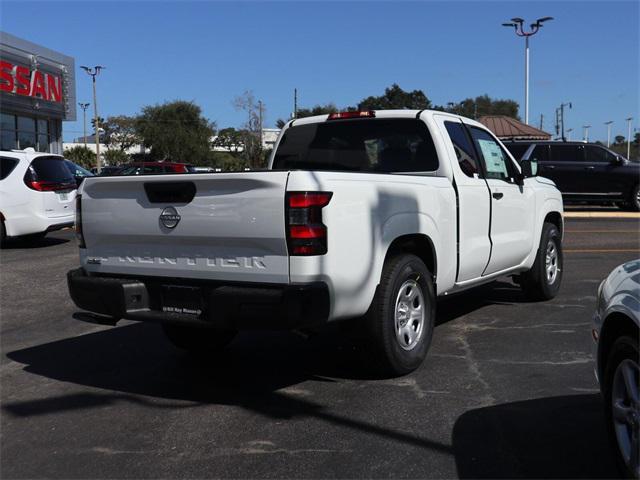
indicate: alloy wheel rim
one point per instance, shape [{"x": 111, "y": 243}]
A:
[
  {"x": 625, "y": 408},
  {"x": 551, "y": 262},
  {"x": 409, "y": 315}
]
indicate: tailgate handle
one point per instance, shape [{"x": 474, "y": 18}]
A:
[{"x": 170, "y": 192}]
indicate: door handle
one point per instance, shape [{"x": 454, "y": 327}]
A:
[
  {"x": 591, "y": 167},
  {"x": 497, "y": 195}
]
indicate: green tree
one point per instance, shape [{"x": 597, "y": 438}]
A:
[
  {"x": 396, "y": 98},
  {"x": 229, "y": 139},
  {"x": 81, "y": 155},
  {"x": 115, "y": 157},
  {"x": 619, "y": 139},
  {"x": 120, "y": 132},
  {"x": 483, "y": 105},
  {"x": 175, "y": 131},
  {"x": 310, "y": 112}
]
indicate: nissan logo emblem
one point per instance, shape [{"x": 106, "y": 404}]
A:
[{"x": 170, "y": 217}]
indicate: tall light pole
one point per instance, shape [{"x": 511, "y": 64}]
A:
[
  {"x": 84, "y": 107},
  {"x": 562, "y": 105},
  {"x": 94, "y": 72},
  {"x": 628, "y": 120},
  {"x": 569, "y": 130},
  {"x": 608, "y": 124},
  {"x": 518, "y": 24},
  {"x": 586, "y": 132}
]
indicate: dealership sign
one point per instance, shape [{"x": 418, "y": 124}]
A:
[{"x": 22, "y": 81}]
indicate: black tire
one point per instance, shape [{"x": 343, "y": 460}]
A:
[
  {"x": 633, "y": 203},
  {"x": 625, "y": 348},
  {"x": 537, "y": 284},
  {"x": 199, "y": 341},
  {"x": 391, "y": 358},
  {"x": 3, "y": 234}
]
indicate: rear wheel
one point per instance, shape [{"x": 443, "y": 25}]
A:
[
  {"x": 401, "y": 317},
  {"x": 200, "y": 341},
  {"x": 542, "y": 282},
  {"x": 3, "y": 234},
  {"x": 634, "y": 200},
  {"x": 622, "y": 403}
]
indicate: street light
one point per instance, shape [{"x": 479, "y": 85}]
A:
[
  {"x": 518, "y": 24},
  {"x": 84, "y": 107},
  {"x": 94, "y": 72},
  {"x": 608, "y": 124},
  {"x": 628, "y": 120},
  {"x": 586, "y": 132}
]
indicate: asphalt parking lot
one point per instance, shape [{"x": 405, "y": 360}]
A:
[{"x": 507, "y": 389}]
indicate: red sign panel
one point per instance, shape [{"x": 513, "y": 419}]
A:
[{"x": 30, "y": 83}]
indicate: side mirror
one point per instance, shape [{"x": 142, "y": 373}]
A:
[
  {"x": 529, "y": 168},
  {"x": 618, "y": 160}
]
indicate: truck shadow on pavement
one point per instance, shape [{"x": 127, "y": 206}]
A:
[{"x": 32, "y": 242}]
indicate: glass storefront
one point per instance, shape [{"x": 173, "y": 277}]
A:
[{"x": 19, "y": 132}]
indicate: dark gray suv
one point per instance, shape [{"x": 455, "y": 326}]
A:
[{"x": 584, "y": 172}]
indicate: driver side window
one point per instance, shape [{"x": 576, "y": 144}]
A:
[{"x": 497, "y": 164}]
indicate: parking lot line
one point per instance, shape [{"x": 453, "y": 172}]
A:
[
  {"x": 603, "y": 231},
  {"x": 609, "y": 250}
]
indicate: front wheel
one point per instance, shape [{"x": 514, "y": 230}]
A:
[
  {"x": 199, "y": 341},
  {"x": 542, "y": 282},
  {"x": 634, "y": 200},
  {"x": 401, "y": 317},
  {"x": 622, "y": 403}
]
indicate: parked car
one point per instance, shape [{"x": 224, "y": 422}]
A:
[
  {"x": 616, "y": 330},
  {"x": 107, "y": 170},
  {"x": 360, "y": 215},
  {"x": 584, "y": 172},
  {"x": 153, "y": 168},
  {"x": 37, "y": 193},
  {"x": 78, "y": 172}
]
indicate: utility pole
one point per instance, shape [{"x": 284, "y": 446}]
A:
[
  {"x": 518, "y": 23},
  {"x": 569, "y": 130},
  {"x": 93, "y": 73},
  {"x": 562, "y": 105},
  {"x": 557, "y": 123},
  {"x": 586, "y": 132},
  {"x": 608, "y": 124},
  {"x": 84, "y": 107},
  {"x": 295, "y": 103},
  {"x": 541, "y": 120},
  {"x": 629, "y": 137}
]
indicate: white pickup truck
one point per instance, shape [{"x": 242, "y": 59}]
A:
[{"x": 360, "y": 215}]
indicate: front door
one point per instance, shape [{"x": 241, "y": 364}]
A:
[{"x": 512, "y": 205}]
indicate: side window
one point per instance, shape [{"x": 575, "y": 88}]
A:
[
  {"x": 463, "y": 148},
  {"x": 597, "y": 154},
  {"x": 496, "y": 162},
  {"x": 567, "y": 153},
  {"x": 6, "y": 166},
  {"x": 540, "y": 153},
  {"x": 517, "y": 149}
]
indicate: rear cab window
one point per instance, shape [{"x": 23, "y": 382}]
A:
[
  {"x": 382, "y": 145},
  {"x": 6, "y": 166}
]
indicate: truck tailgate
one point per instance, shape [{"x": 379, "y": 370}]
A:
[{"x": 228, "y": 226}]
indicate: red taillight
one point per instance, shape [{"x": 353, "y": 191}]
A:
[
  {"x": 343, "y": 115},
  {"x": 306, "y": 234},
  {"x": 78, "y": 222},
  {"x": 49, "y": 186}
]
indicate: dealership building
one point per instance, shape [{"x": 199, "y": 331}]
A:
[{"x": 37, "y": 93}]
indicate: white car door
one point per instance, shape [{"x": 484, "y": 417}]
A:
[{"x": 512, "y": 204}]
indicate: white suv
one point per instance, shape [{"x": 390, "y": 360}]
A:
[{"x": 37, "y": 193}]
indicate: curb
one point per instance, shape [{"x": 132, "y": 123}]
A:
[{"x": 602, "y": 215}]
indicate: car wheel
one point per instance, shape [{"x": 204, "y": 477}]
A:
[
  {"x": 634, "y": 200},
  {"x": 542, "y": 282},
  {"x": 197, "y": 340},
  {"x": 3, "y": 234},
  {"x": 401, "y": 317},
  {"x": 622, "y": 403}
]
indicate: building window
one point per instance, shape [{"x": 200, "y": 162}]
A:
[{"x": 18, "y": 132}]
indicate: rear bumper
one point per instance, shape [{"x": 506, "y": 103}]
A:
[{"x": 238, "y": 306}]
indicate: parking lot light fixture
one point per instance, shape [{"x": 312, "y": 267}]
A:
[
  {"x": 518, "y": 23},
  {"x": 608, "y": 124},
  {"x": 93, "y": 73},
  {"x": 628, "y": 120}
]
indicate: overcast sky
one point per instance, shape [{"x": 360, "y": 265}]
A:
[{"x": 341, "y": 52}]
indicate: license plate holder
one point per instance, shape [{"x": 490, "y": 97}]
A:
[
  {"x": 182, "y": 299},
  {"x": 63, "y": 196}
]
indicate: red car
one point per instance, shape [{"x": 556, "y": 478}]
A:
[{"x": 154, "y": 168}]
